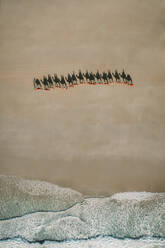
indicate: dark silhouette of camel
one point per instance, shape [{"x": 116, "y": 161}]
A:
[
  {"x": 86, "y": 75},
  {"x": 69, "y": 80},
  {"x": 37, "y": 84},
  {"x": 105, "y": 77},
  {"x": 50, "y": 81},
  {"x": 74, "y": 79},
  {"x": 63, "y": 82},
  {"x": 117, "y": 76},
  {"x": 98, "y": 77},
  {"x": 45, "y": 83},
  {"x": 56, "y": 80},
  {"x": 110, "y": 77},
  {"x": 91, "y": 78},
  {"x": 123, "y": 76},
  {"x": 80, "y": 77},
  {"x": 129, "y": 80}
]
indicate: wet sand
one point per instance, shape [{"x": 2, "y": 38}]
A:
[{"x": 96, "y": 139}]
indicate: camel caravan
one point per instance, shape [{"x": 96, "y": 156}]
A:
[{"x": 73, "y": 79}]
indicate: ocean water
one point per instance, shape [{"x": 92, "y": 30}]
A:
[
  {"x": 37, "y": 214},
  {"x": 100, "y": 242}
]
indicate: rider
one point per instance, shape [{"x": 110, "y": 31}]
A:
[
  {"x": 110, "y": 77},
  {"x": 80, "y": 76},
  {"x": 50, "y": 81},
  {"x": 123, "y": 76},
  {"x": 69, "y": 80},
  {"x": 129, "y": 80},
  {"x": 45, "y": 83},
  {"x": 37, "y": 83},
  {"x": 74, "y": 78},
  {"x": 56, "y": 80},
  {"x": 98, "y": 76},
  {"x": 105, "y": 78},
  {"x": 92, "y": 78},
  {"x": 63, "y": 82},
  {"x": 117, "y": 76},
  {"x": 86, "y": 75}
]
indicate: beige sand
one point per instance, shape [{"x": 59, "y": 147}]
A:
[{"x": 98, "y": 140}]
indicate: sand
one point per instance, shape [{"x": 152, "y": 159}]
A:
[{"x": 97, "y": 140}]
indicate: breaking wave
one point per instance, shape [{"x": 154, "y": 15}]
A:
[{"x": 35, "y": 211}]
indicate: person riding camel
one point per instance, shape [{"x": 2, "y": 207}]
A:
[
  {"x": 80, "y": 77},
  {"x": 69, "y": 80},
  {"x": 129, "y": 80},
  {"x": 74, "y": 79},
  {"x": 51, "y": 85},
  {"x": 37, "y": 84},
  {"x": 45, "y": 83},
  {"x": 91, "y": 78},
  {"x": 63, "y": 82},
  {"x": 117, "y": 76},
  {"x": 110, "y": 77},
  {"x": 98, "y": 77},
  {"x": 86, "y": 75},
  {"x": 105, "y": 77},
  {"x": 56, "y": 80},
  {"x": 123, "y": 76}
]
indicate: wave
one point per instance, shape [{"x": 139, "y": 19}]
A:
[
  {"x": 99, "y": 242},
  {"x": 20, "y": 196},
  {"x": 123, "y": 215}
]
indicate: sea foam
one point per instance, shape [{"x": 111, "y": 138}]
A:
[{"x": 64, "y": 214}]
